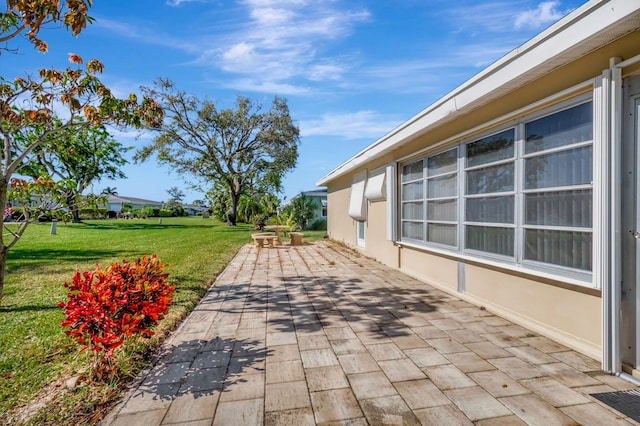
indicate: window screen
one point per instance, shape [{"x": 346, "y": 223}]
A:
[{"x": 523, "y": 194}]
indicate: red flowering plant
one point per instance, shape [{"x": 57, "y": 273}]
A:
[{"x": 105, "y": 307}]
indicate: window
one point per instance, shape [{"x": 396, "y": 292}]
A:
[
  {"x": 521, "y": 194},
  {"x": 490, "y": 194},
  {"x": 360, "y": 233},
  {"x": 412, "y": 201},
  {"x": 442, "y": 201},
  {"x": 558, "y": 193}
]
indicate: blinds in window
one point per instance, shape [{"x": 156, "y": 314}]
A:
[{"x": 522, "y": 195}]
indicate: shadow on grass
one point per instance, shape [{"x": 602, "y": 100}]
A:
[
  {"x": 136, "y": 225},
  {"x": 38, "y": 260},
  {"x": 28, "y": 308}
]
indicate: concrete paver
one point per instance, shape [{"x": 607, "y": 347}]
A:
[{"x": 319, "y": 334}]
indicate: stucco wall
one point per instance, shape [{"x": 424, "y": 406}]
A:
[
  {"x": 377, "y": 245},
  {"x": 340, "y": 226},
  {"x": 569, "y": 314}
]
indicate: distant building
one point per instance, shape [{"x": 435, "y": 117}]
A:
[
  {"x": 116, "y": 203},
  {"x": 194, "y": 209}
]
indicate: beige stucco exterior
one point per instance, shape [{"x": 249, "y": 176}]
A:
[{"x": 561, "y": 309}]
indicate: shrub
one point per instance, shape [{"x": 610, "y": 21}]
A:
[
  {"x": 92, "y": 213},
  {"x": 105, "y": 307},
  {"x": 285, "y": 218},
  {"x": 319, "y": 224},
  {"x": 151, "y": 211}
]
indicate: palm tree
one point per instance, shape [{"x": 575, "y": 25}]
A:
[
  {"x": 303, "y": 208},
  {"x": 109, "y": 191}
]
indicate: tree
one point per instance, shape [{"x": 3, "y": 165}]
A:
[
  {"x": 218, "y": 199},
  {"x": 31, "y": 16},
  {"x": 302, "y": 209},
  {"x": 81, "y": 156},
  {"x": 27, "y": 103},
  {"x": 176, "y": 194},
  {"x": 109, "y": 191},
  {"x": 239, "y": 149},
  {"x": 270, "y": 204},
  {"x": 248, "y": 209}
]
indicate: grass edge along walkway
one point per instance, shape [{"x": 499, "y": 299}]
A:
[{"x": 36, "y": 358}]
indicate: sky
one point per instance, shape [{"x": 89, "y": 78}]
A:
[{"x": 351, "y": 71}]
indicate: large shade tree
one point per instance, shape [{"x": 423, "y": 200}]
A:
[
  {"x": 82, "y": 156},
  {"x": 242, "y": 149},
  {"x": 77, "y": 95}
]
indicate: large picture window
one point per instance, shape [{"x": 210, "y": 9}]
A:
[
  {"x": 521, "y": 194},
  {"x": 490, "y": 194},
  {"x": 413, "y": 215},
  {"x": 442, "y": 198},
  {"x": 558, "y": 193}
]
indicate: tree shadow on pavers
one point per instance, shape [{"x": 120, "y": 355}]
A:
[
  {"x": 310, "y": 303},
  {"x": 199, "y": 368}
]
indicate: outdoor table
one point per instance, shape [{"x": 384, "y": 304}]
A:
[{"x": 277, "y": 229}]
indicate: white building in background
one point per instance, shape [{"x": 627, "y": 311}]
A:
[{"x": 116, "y": 203}]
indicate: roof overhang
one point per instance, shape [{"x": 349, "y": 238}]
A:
[{"x": 590, "y": 27}]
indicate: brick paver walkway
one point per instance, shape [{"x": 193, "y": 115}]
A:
[{"x": 317, "y": 334}]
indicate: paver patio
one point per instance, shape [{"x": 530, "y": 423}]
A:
[{"x": 318, "y": 334}]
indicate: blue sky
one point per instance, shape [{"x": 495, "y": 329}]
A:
[{"x": 351, "y": 71}]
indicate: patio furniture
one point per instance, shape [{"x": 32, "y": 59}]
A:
[
  {"x": 261, "y": 238},
  {"x": 277, "y": 229},
  {"x": 296, "y": 238}
]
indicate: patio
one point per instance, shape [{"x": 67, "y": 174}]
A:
[{"x": 317, "y": 334}]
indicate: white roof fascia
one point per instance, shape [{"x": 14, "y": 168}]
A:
[{"x": 566, "y": 40}]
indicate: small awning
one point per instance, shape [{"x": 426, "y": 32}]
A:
[
  {"x": 376, "y": 189},
  {"x": 357, "y": 202}
]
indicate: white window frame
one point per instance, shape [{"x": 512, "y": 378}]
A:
[
  {"x": 582, "y": 277},
  {"x": 361, "y": 225}
]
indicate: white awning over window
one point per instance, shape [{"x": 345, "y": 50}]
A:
[
  {"x": 357, "y": 202},
  {"x": 376, "y": 189}
]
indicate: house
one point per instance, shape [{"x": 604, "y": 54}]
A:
[
  {"x": 319, "y": 197},
  {"x": 116, "y": 203},
  {"x": 518, "y": 191},
  {"x": 195, "y": 209}
]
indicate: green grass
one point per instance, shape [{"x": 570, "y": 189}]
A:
[{"x": 34, "y": 351}]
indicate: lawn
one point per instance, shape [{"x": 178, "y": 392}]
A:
[{"x": 36, "y": 357}]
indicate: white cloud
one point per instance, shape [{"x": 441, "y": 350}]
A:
[
  {"x": 263, "y": 86},
  {"x": 482, "y": 18},
  {"x": 286, "y": 41},
  {"x": 546, "y": 13},
  {"x": 324, "y": 72},
  {"x": 180, "y": 2},
  {"x": 356, "y": 125}
]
